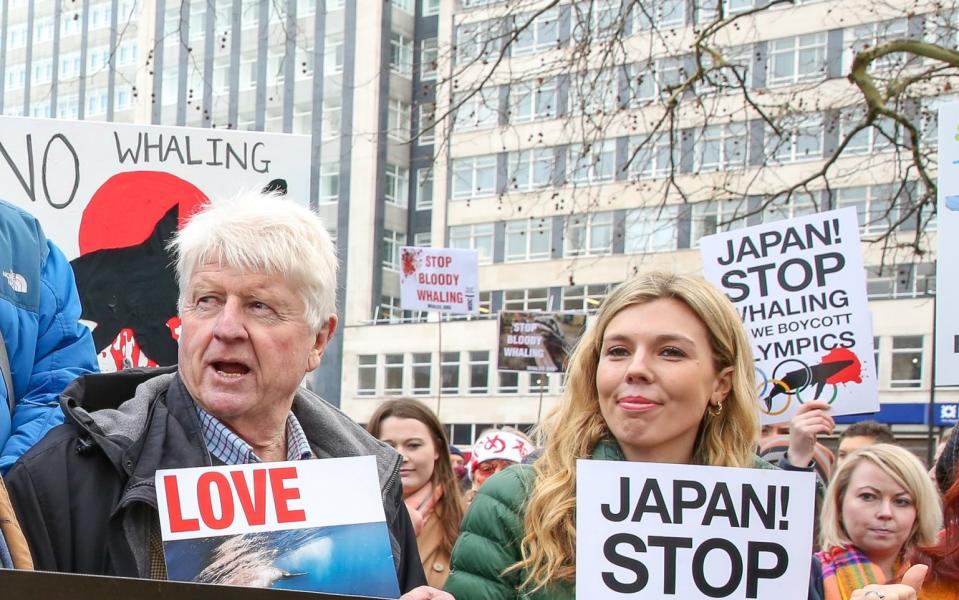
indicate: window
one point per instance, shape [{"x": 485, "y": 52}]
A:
[
  {"x": 716, "y": 216},
  {"x": 430, "y": 7},
  {"x": 655, "y": 80},
  {"x": 721, "y": 147},
  {"x": 594, "y": 92},
  {"x": 68, "y": 107},
  {"x": 906, "y": 361},
  {"x": 526, "y": 300},
  {"x": 422, "y": 373},
  {"x": 392, "y": 241},
  {"x": 596, "y": 20},
  {"x": 658, "y": 14},
  {"x": 530, "y": 169},
  {"x": 591, "y": 163},
  {"x": 474, "y": 177},
  {"x": 426, "y": 123},
  {"x": 909, "y": 280},
  {"x": 477, "y": 40},
  {"x": 393, "y": 374},
  {"x": 508, "y": 382},
  {"x": 450, "y": 372},
  {"x": 329, "y": 183},
  {"x": 423, "y": 239},
  {"x": 479, "y": 372},
  {"x": 389, "y": 310},
  {"x": 528, "y": 239},
  {"x": 540, "y": 34},
  {"x": 478, "y": 237},
  {"x": 477, "y": 109},
  {"x": 874, "y": 138},
  {"x": 429, "y": 58},
  {"x": 397, "y": 185},
  {"x": 333, "y": 55},
  {"x": 589, "y": 234},
  {"x": 424, "y": 189},
  {"x": 532, "y": 100},
  {"x": 330, "y": 127},
  {"x": 800, "y": 140},
  {"x": 401, "y": 54},
  {"x": 797, "y": 59},
  {"x": 798, "y": 205},
  {"x": 735, "y": 73},
  {"x": 584, "y": 297},
  {"x": 856, "y": 39},
  {"x": 876, "y": 206},
  {"x": 403, "y": 5},
  {"x": 398, "y": 120},
  {"x": 366, "y": 375},
  {"x": 652, "y": 157},
  {"x": 651, "y": 229}
]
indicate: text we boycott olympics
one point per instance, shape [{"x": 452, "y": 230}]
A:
[{"x": 799, "y": 287}]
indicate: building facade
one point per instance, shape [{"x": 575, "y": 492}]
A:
[{"x": 498, "y": 126}]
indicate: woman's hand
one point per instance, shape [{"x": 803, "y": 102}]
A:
[
  {"x": 907, "y": 590},
  {"x": 425, "y": 592},
  {"x": 811, "y": 420}
]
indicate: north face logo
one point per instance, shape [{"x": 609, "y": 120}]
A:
[{"x": 17, "y": 281}]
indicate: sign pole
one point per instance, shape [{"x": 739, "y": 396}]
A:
[
  {"x": 539, "y": 410},
  {"x": 931, "y": 446},
  {"x": 439, "y": 352}
]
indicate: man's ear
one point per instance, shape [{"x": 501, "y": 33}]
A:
[{"x": 319, "y": 346}]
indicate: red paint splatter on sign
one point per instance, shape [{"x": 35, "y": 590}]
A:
[{"x": 850, "y": 374}]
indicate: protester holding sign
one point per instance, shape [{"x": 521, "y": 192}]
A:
[
  {"x": 880, "y": 504},
  {"x": 430, "y": 490},
  {"x": 664, "y": 374},
  {"x": 257, "y": 282}
]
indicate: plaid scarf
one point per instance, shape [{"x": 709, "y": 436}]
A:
[{"x": 846, "y": 569}]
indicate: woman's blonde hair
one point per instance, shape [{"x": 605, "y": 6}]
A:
[
  {"x": 576, "y": 425},
  {"x": 906, "y": 470}
]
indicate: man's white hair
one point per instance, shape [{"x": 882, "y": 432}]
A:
[{"x": 265, "y": 233}]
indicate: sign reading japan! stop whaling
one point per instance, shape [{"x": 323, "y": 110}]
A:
[{"x": 439, "y": 279}]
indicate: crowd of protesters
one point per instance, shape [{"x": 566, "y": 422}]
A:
[{"x": 664, "y": 374}]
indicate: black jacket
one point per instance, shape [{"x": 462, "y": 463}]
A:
[{"x": 85, "y": 494}]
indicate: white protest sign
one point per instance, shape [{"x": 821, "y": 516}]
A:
[
  {"x": 688, "y": 532},
  {"x": 110, "y": 195},
  {"x": 278, "y": 525},
  {"x": 799, "y": 286},
  {"x": 439, "y": 279},
  {"x": 947, "y": 254}
]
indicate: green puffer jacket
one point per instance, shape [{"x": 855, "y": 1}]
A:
[{"x": 490, "y": 537}]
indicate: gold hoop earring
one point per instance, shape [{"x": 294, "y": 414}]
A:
[{"x": 715, "y": 411}]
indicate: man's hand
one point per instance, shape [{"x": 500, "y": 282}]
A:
[
  {"x": 811, "y": 420},
  {"x": 425, "y": 592},
  {"x": 907, "y": 590}
]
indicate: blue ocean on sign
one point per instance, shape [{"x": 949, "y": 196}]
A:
[{"x": 353, "y": 559}]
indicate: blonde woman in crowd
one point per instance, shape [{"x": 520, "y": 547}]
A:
[
  {"x": 879, "y": 505},
  {"x": 664, "y": 374}
]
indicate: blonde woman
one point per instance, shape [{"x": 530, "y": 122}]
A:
[
  {"x": 664, "y": 374},
  {"x": 879, "y": 505}
]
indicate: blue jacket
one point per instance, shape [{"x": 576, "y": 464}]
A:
[{"x": 39, "y": 318}]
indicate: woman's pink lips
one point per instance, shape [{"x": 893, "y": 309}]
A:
[{"x": 637, "y": 404}]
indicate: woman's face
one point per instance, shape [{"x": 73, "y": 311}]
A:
[
  {"x": 412, "y": 439},
  {"x": 655, "y": 378},
  {"x": 878, "y": 514}
]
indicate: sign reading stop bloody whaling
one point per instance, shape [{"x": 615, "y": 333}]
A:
[
  {"x": 439, "y": 279},
  {"x": 684, "y": 532},
  {"x": 276, "y": 525},
  {"x": 800, "y": 288}
]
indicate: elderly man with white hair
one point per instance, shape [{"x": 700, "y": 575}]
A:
[{"x": 257, "y": 278}]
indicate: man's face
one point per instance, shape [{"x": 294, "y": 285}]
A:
[
  {"x": 852, "y": 443},
  {"x": 245, "y": 346}
]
